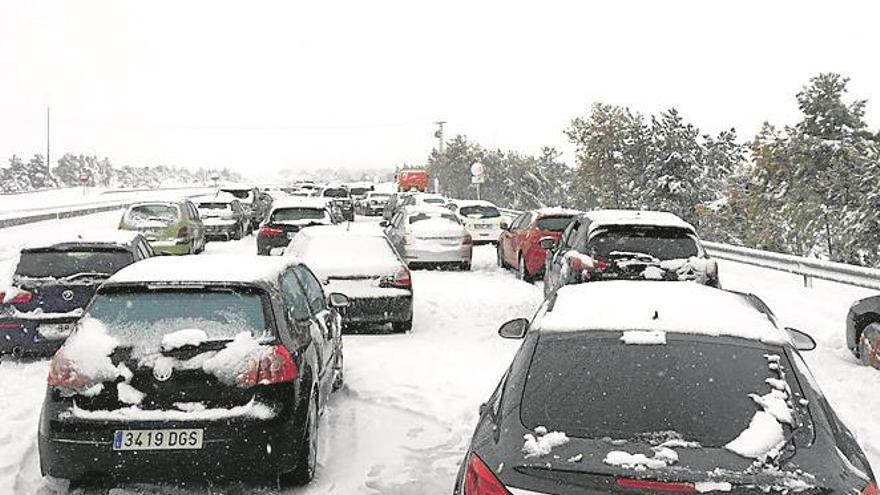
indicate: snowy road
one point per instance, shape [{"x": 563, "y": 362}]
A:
[{"x": 410, "y": 401}]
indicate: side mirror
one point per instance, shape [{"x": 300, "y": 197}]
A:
[
  {"x": 514, "y": 329},
  {"x": 547, "y": 243},
  {"x": 802, "y": 340},
  {"x": 483, "y": 408},
  {"x": 505, "y": 226},
  {"x": 339, "y": 301},
  {"x": 383, "y": 223}
]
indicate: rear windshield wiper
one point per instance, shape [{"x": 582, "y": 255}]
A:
[{"x": 84, "y": 275}]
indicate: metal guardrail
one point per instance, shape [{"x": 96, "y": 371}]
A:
[{"x": 808, "y": 268}]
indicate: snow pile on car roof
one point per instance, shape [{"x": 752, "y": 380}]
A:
[
  {"x": 217, "y": 197},
  {"x": 300, "y": 202},
  {"x": 678, "y": 307},
  {"x": 333, "y": 251},
  {"x": 220, "y": 268},
  {"x": 605, "y": 218},
  {"x": 549, "y": 211}
]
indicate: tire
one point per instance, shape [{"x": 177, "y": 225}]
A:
[
  {"x": 192, "y": 247},
  {"x": 522, "y": 272},
  {"x": 499, "y": 257},
  {"x": 339, "y": 379},
  {"x": 402, "y": 326},
  {"x": 871, "y": 334},
  {"x": 239, "y": 234},
  {"x": 466, "y": 266},
  {"x": 304, "y": 471}
]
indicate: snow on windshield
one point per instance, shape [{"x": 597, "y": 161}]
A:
[{"x": 153, "y": 214}]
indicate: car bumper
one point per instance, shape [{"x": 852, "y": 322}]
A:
[
  {"x": 176, "y": 246},
  {"x": 378, "y": 309},
  {"x": 221, "y": 231},
  {"x": 266, "y": 244},
  {"x": 417, "y": 255},
  {"x": 484, "y": 236},
  {"x": 23, "y": 337}
]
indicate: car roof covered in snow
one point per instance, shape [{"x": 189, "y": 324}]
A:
[
  {"x": 549, "y": 211},
  {"x": 675, "y": 307},
  {"x": 300, "y": 202},
  {"x": 204, "y": 269},
  {"x": 106, "y": 237},
  {"x": 607, "y": 218},
  {"x": 339, "y": 231},
  {"x": 217, "y": 197},
  {"x": 425, "y": 208},
  {"x": 461, "y": 203}
]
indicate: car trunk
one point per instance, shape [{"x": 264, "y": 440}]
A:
[{"x": 55, "y": 296}]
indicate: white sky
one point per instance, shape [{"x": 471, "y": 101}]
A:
[{"x": 258, "y": 86}]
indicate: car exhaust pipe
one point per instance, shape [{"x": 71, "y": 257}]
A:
[{"x": 17, "y": 351}]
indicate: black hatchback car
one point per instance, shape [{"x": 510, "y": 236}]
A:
[
  {"x": 202, "y": 368},
  {"x": 54, "y": 281},
  {"x": 639, "y": 387}
]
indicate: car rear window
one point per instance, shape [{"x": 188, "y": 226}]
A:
[
  {"x": 418, "y": 217},
  {"x": 162, "y": 213},
  {"x": 480, "y": 211},
  {"x": 238, "y": 193},
  {"x": 359, "y": 191},
  {"x": 214, "y": 209},
  {"x": 46, "y": 263},
  {"x": 295, "y": 214},
  {"x": 335, "y": 193},
  {"x": 139, "y": 318},
  {"x": 663, "y": 244},
  {"x": 597, "y": 386},
  {"x": 554, "y": 224}
]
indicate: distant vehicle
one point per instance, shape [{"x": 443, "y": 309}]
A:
[
  {"x": 363, "y": 266},
  {"x": 863, "y": 330},
  {"x": 482, "y": 219},
  {"x": 223, "y": 216},
  {"x": 372, "y": 204},
  {"x": 519, "y": 244},
  {"x": 171, "y": 227},
  {"x": 251, "y": 200},
  {"x": 640, "y": 387},
  {"x": 287, "y": 218},
  {"x": 359, "y": 191},
  {"x": 54, "y": 281},
  {"x": 412, "y": 179},
  {"x": 393, "y": 205},
  {"x": 430, "y": 236},
  {"x": 630, "y": 245},
  {"x": 423, "y": 199},
  {"x": 194, "y": 368},
  {"x": 342, "y": 199}
]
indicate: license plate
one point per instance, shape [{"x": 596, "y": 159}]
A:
[
  {"x": 186, "y": 439},
  {"x": 55, "y": 330},
  {"x": 483, "y": 226},
  {"x": 290, "y": 235}
]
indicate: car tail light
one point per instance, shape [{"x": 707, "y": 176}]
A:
[
  {"x": 402, "y": 278},
  {"x": 655, "y": 486},
  {"x": 577, "y": 265},
  {"x": 183, "y": 232},
  {"x": 63, "y": 374},
  {"x": 468, "y": 240},
  {"x": 20, "y": 297},
  {"x": 267, "y": 231},
  {"x": 9, "y": 325},
  {"x": 600, "y": 264},
  {"x": 480, "y": 480},
  {"x": 871, "y": 489},
  {"x": 274, "y": 366}
]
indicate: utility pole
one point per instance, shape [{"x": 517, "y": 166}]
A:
[
  {"x": 48, "y": 161},
  {"x": 439, "y": 135}
]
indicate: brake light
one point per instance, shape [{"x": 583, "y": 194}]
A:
[
  {"x": 267, "y": 231},
  {"x": 183, "y": 231},
  {"x": 576, "y": 264},
  {"x": 468, "y": 240},
  {"x": 871, "y": 489},
  {"x": 9, "y": 325},
  {"x": 274, "y": 366},
  {"x": 600, "y": 264},
  {"x": 402, "y": 278},
  {"x": 63, "y": 374},
  {"x": 480, "y": 480},
  {"x": 655, "y": 486},
  {"x": 22, "y": 296}
]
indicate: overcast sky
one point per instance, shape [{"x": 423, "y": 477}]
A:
[{"x": 258, "y": 86}]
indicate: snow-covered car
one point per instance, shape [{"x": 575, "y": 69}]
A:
[
  {"x": 223, "y": 216},
  {"x": 863, "y": 330},
  {"x": 171, "y": 227},
  {"x": 482, "y": 219},
  {"x": 191, "y": 368},
  {"x": 430, "y": 236},
  {"x": 639, "y": 387},
  {"x": 628, "y": 245},
  {"x": 365, "y": 267},
  {"x": 53, "y": 282},
  {"x": 250, "y": 199},
  {"x": 372, "y": 204},
  {"x": 341, "y": 198},
  {"x": 423, "y": 199},
  {"x": 287, "y": 217}
]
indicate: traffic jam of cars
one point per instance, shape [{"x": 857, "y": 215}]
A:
[{"x": 638, "y": 373}]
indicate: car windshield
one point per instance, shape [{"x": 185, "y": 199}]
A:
[
  {"x": 298, "y": 213},
  {"x": 597, "y": 386},
  {"x": 661, "y": 243},
  {"x": 239, "y": 193},
  {"x": 420, "y": 216},
  {"x": 153, "y": 213},
  {"x": 479, "y": 211},
  {"x": 140, "y": 318},
  {"x": 379, "y": 196},
  {"x": 59, "y": 263},
  {"x": 335, "y": 193},
  {"x": 554, "y": 223}
]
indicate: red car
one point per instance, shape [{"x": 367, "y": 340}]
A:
[{"x": 518, "y": 245}]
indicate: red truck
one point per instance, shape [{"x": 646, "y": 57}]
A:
[{"x": 412, "y": 179}]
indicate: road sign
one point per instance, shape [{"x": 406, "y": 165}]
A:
[
  {"x": 477, "y": 169},
  {"x": 478, "y": 179}
]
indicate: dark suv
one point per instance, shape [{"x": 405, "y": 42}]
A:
[
  {"x": 626, "y": 245},
  {"x": 53, "y": 283},
  {"x": 180, "y": 370},
  {"x": 341, "y": 199}
]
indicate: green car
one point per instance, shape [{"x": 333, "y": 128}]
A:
[{"x": 171, "y": 227}]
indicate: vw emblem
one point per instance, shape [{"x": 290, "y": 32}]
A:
[
  {"x": 162, "y": 370},
  {"x": 67, "y": 295}
]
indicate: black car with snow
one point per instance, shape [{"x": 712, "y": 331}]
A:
[
  {"x": 287, "y": 217},
  {"x": 638, "y": 387},
  {"x": 200, "y": 368},
  {"x": 341, "y": 198},
  {"x": 863, "y": 330},
  {"x": 364, "y": 266},
  {"x": 627, "y": 245},
  {"x": 52, "y": 283}
]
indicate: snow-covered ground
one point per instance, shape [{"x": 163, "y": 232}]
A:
[{"x": 401, "y": 423}]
